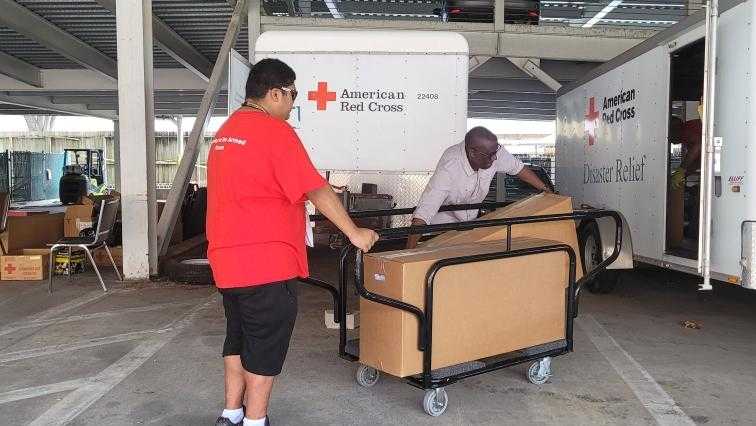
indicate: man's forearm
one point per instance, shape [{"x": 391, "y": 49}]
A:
[
  {"x": 528, "y": 176},
  {"x": 329, "y": 204}
]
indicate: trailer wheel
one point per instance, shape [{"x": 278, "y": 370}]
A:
[
  {"x": 435, "y": 402},
  {"x": 367, "y": 376},
  {"x": 589, "y": 240}
]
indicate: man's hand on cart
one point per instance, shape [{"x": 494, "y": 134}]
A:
[
  {"x": 363, "y": 238},
  {"x": 413, "y": 239},
  {"x": 326, "y": 201}
]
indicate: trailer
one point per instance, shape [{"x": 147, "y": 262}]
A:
[
  {"x": 375, "y": 107},
  {"x": 614, "y": 148}
]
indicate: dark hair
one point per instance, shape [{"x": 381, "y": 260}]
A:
[
  {"x": 268, "y": 74},
  {"x": 479, "y": 133}
]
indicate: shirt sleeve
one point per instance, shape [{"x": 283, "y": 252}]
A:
[
  {"x": 292, "y": 167},
  {"x": 508, "y": 163},
  {"x": 434, "y": 195}
]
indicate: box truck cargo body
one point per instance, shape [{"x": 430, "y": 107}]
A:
[{"x": 614, "y": 143}]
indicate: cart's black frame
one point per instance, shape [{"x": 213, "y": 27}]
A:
[{"x": 427, "y": 379}]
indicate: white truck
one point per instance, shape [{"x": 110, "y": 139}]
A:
[
  {"x": 373, "y": 106},
  {"x": 614, "y": 151}
]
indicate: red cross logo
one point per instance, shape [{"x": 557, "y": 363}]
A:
[
  {"x": 321, "y": 96},
  {"x": 9, "y": 269},
  {"x": 590, "y": 121}
]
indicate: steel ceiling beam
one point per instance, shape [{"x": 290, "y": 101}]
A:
[
  {"x": 515, "y": 40},
  {"x": 173, "y": 44},
  {"x": 19, "y": 70},
  {"x": 531, "y": 66},
  {"x": 43, "y": 103},
  {"x": 33, "y": 26}
]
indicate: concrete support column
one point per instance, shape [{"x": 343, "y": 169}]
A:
[
  {"x": 116, "y": 156},
  {"x": 253, "y": 27},
  {"x": 499, "y": 15},
  {"x": 179, "y": 122},
  {"x": 137, "y": 136}
]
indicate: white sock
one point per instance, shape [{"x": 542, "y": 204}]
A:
[
  {"x": 258, "y": 422},
  {"x": 234, "y": 415}
]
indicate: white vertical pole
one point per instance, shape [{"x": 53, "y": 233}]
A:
[
  {"x": 499, "y": 15},
  {"x": 707, "y": 145},
  {"x": 137, "y": 136},
  {"x": 180, "y": 135},
  {"x": 253, "y": 28}
]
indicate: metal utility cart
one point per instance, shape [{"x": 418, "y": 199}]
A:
[{"x": 434, "y": 381}]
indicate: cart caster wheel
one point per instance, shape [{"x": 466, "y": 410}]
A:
[
  {"x": 367, "y": 376},
  {"x": 538, "y": 375},
  {"x": 435, "y": 402}
]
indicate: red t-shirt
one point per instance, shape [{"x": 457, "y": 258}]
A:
[
  {"x": 691, "y": 132},
  {"x": 258, "y": 173}
]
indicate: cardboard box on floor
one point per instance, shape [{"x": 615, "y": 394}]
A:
[
  {"x": 535, "y": 205},
  {"x": 479, "y": 309},
  {"x": 27, "y": 265},
  {"x": 25, "y": 232}
]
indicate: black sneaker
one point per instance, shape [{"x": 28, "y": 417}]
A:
[{"x": 223, "y": 421}]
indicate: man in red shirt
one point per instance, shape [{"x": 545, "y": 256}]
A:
[{"x": 259, "y": 176}]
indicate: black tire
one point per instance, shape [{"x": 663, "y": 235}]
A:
[
  {"x": 190, "y": 271},
  {"x": 195, "y": 214},
  {"x": 589, "y": 238}
]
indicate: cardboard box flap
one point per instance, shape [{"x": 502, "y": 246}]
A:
[
  {"x": 444, "y": 252},
  {"x": 536, "y": 205}
]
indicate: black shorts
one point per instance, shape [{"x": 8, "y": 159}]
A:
[{"x": 259, "y": 322}]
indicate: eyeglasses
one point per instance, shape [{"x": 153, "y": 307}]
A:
[
  {"x": 486, "y": 155},
  {"x": 292, "y": 92}
]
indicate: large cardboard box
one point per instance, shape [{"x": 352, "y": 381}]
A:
[
  {"x": 536, "y": 205},
  {"x": 28, "y": 265},
  {"x": 33, "y": 231},
  {"x": 479, "y": 310},
  {"x": 78, "y": 217}
]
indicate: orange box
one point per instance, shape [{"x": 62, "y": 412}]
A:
[{"x": 480, "y": 309}]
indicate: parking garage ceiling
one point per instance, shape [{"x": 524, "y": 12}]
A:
[{"x": 37, "y": 35}]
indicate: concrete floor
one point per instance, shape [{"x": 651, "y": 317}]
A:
[{"x": 149, "y": 354}]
